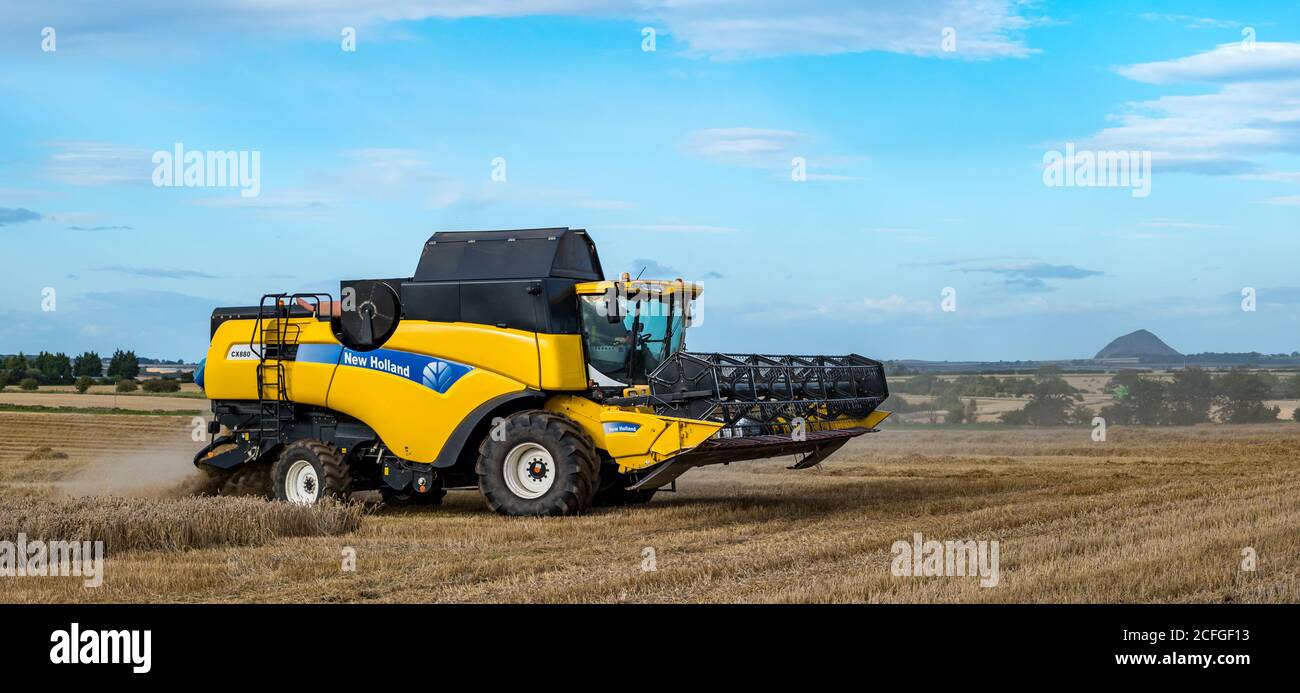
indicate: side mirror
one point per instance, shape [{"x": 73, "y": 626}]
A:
[{"x": 612, "y": 313}]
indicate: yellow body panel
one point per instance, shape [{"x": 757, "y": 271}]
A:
[
  {"x": 635, "y": 439},
  {"x": 875, "y": 418},
  {"x": 562, "y": 362},
  {"x": 510, "y": 353},
  {"x": 412, "y": 420},
  {"x": 230, "y": 371}
]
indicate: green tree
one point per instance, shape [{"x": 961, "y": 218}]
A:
[
  {"x": 953, "y": 411},
  {"x": 1122, "y": 381},
  {"x": 124, "y": 364},
  {"x": 1191, "y": 395},
  {"x": 29, "y": 384},
  {"x": 161, "y": 385},
  {"x": 126, "y": 385},
  {"x": 1147, "y": 399},
  {"x": 16, "y": 366},
  {"x": 4, "y": 380},
  {"x": 88, "y": 364},
  {"x": 54, "y": 368},
  {"x": 922, "y": 384},
  {"x": 83, "y": 383},
  {"x": 1051, "y": 403},
  {"x": 1241, "y": 395},
  {"x": 1079, "y": 414},
  {"x": 1290, "y": 388}
]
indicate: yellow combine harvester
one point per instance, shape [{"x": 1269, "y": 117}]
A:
[{"x": 507, "y": 362}]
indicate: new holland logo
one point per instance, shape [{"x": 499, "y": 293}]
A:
[
  {"x": 621, "y": 427},
  {"x": 439, "y": 375},
  {"x": 429, "y": 371}
]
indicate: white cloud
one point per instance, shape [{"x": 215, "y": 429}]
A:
[
  {"x": 393, "y": 173},
  {"x": 1190, "y": 21},
  {"x": 1229, "y": 62},
  {"x": 894, "y": 304},
  {"x": 714, "y": 28},
  {"x": 766, "y": 148},
  {"x": 280, "y": 204},
  {"x": 98, "y": 163},
  {"x": 984, "y": 28},
  {"x": 1253, "y": 112},
  {"x": 868, "y": 310},
  {"x": 758, "y": 147}
]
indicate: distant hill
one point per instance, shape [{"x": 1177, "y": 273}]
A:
[{"x": 1140, "y": 344}]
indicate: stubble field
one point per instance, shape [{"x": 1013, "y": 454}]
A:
[{"x": 1150, "y": 515}]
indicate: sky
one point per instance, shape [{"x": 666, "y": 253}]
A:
[{"x": 841, "y": 176}]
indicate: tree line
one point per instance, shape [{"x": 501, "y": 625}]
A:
[
  {"x": 30, "y": 372},
  {"x": 1194, "y": 395},
  {"x": 1190, "y": 396}
]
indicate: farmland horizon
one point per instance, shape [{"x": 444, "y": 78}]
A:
[{"x": 1114, "y": 361}]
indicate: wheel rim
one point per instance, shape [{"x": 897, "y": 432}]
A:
[
  {"x": 529, "y": 471},
  {"x": 301, "y": 483}
]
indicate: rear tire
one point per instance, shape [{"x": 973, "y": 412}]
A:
[
  {"x": 308, "y": 471},
  {"x": 544, "y": 465}
]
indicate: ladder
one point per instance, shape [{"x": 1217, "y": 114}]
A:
[{"x": 275, "y": 341}]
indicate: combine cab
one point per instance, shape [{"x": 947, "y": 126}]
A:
[{"x": 507, "y": 362}]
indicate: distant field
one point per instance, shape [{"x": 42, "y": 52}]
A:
[
  {"x": 147, "y": 402},
  {"x": 1149, "y": 515},
  {"x": 187, "y": 390}
]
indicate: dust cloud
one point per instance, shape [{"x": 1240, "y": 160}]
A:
[{"x": 144, "y": 474}]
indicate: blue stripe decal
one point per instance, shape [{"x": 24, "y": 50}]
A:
[{"x": 431, "y": 372}]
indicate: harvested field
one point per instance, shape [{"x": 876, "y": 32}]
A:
[
  {"x": 173, "y": 524},
  {"x": 1150, "y": 515}
]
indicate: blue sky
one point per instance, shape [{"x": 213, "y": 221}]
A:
[{"x": 924, "y": 166}]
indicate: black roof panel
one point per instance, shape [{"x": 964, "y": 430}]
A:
[{"x": 510, "y": 254}]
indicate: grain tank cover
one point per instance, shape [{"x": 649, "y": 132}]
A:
[{"x": 518, "y": 254}]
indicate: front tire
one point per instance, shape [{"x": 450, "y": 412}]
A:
[
  {"x": 308, "y": 471},
  {"x": 544, "y": 464}
]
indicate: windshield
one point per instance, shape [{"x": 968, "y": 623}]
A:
[{"x": 630, "y": 347}]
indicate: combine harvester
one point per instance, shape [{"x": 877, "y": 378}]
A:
[{"x": 508, "y": 362}]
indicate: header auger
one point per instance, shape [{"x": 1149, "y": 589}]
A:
[{"x": 507, "y": 362}]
